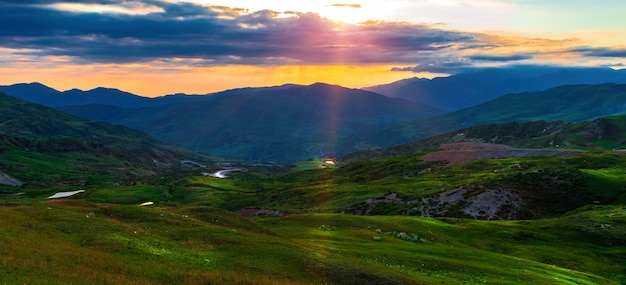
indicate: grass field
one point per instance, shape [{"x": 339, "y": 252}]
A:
[
  {"x": 78, "y": 242},
  {"x": 192, "y": 233}
]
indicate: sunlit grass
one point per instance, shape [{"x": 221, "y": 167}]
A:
[{"x": 76, "y": 242}]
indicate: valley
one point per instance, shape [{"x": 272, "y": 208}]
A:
[
  {"x": 318, "y": 189},
  {"x": 417, "y": 142}
]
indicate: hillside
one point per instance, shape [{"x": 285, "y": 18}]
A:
[
  {"x": 43, "y": 146},
  {"x": 285, "y": 124},
  {"x": 21, "y": 118},
  {"x": 572, "y": 229},
  {"x": 572, "y": 103},
  {"x": 468, "y": 89},
  {"x": 44, "y": 95},
  {"x": 604, "y": 133},
  {"x": 543, "y": 219},
  {"x": 77, "y": 242}
]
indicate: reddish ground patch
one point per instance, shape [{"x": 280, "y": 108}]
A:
[
  {"x": 467, "y": 151},
  {"x": 248, "y": 212}
]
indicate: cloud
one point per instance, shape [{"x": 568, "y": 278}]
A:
[
  {"x": 601, "y": 51},
  {"x": 347, "y": 5},
  {"x": 446, "y": 66},
  {"x": 454, "y": 64},
  {"x": 218, "y": 35},
  {"x": 197, "y": 35},
  {"x": 500, "y": 58}
]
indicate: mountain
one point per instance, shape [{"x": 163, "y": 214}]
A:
[
  {"x": 572, "y": 103},
  {"x": 41, "y": 94},
  {"x": 21, "y": 118},
  {"x": 396, "y": 220},
  {"x": 44, "y": 95},
  {"x": 45, "y": 146},
  {"x": 285, "y": 124},
  {"x": 472, "y": 88},
  {"x": 607, "y": 133}
]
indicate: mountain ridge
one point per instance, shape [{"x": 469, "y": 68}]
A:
[
  {"x": 287, "y": 123},
  {"x": 472, "y": 88},
  {"x": 40, "y": 145},
  {"x": 573, "y": 103}
]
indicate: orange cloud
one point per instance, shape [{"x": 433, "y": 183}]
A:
[{"x": 347, "y": 5}]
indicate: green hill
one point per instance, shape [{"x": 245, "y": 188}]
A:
[
  {"x": 282, "y": 125},
  {"x": 572, "y": 103},
  {"x": 43, "y": 146},
  {"x": 190, "y": 236},
  {"x": 605, "y": 133},
  {"x": 572, "y": 228},
  {"x": 394, "y": 220}
]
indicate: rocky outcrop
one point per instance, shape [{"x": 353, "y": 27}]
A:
[{"x": 477, "y": 203}]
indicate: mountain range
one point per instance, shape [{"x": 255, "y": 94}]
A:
[
  {"x": 39, "y": 144},
  {"x": 291, "y": 122},
  {"x": 472, "y": 88},
  {"x": 607, "y": 133},
  {"x": 572, "y": 103},
  {"x": 139, "y": 215}
]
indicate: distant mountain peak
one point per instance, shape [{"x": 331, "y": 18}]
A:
[{"x": 477, "y": 86}]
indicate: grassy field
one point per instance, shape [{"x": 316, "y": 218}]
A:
[
  {"x": 78, "y": 242},
  {"x": 192, "y": 234}
]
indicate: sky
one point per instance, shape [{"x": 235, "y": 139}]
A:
[{"x": 159, "y": 47}]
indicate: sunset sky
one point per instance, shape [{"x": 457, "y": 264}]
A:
[{"x": 158, "y": 47}]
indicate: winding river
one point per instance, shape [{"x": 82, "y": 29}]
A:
[{"x": 223, "y": 173}]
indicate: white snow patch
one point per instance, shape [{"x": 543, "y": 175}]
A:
[{"x": 65, "y": 194}]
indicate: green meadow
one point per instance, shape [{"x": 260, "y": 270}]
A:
[
  {"x": 193, "y": 233},
  {"x": 79, "y": 242}
]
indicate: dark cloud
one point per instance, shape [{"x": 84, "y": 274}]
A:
[
  {"x": 347, "y": 5},
  {"x": 601, "y": 52},
  {"x": 449, "y": 66},
  {"x": 220, "y": 35},
  {"x": 500, "y": 58}
]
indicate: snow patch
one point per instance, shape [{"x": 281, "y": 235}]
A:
[{"x": 65, "y": 194}]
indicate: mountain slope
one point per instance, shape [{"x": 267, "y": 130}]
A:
[
  {"x": 25, "y": 119},
  {"x": 44, "y": 95},
  {"x": 571, "y": 103},
  {"x": 43, "y": 146},
  {"x": 286, "y": 125},
  {"x": 472, "y": 88}
]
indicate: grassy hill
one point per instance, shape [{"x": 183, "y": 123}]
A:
[
  {"x": 284, "y": 125},
  {"x": 74, "y": 242},
  {"x": 393, "y": 220},
  {"x": 605, "y": 133},
  {"x": 193, "y": 234},
  {"x": 21, "y": 118},
  {"x": 478, "y": 86},
  {"x": 572, "y": 103},
  {"x": 43, "y": 146}
]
